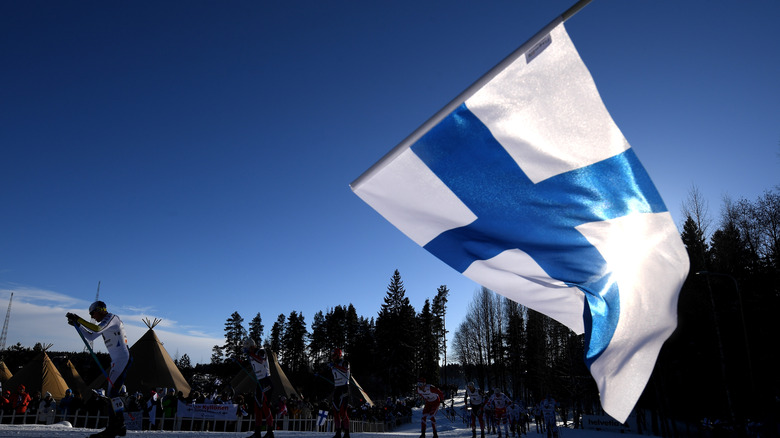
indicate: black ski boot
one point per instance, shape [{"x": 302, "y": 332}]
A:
[
  {"x": 112, "y": 430},
  {"x": 435, "y": 435},
  {"x": 269, "y": 434},
  {"x": 119, "y": 425},
  {"x": 338, "y": 434},
  {"x": 346, "y": 433},
  {"x": 473, "y": 433}
]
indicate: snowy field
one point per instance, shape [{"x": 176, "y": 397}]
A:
[{"x": 446, "y": 429}]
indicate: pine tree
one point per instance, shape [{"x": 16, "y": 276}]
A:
[
  {"x": 428, "y": 365},
  {"x": 695, "y": 244},
  {"x": 217, "y": 356},
  {"x": 439, "y": 310},
  {"x": 362, "y": 354},
  {"x": 184, "y": 362},
  {"x": 277, "y": 333},
  {"x": 351, "y": 329},
  {"x": 256, "y": 329},
  {"x": 729, "y": 252},
  {"x": 234, "y": 337},
  {"x": 335, "y": 324},
  {"x": 536, "y": 357},
  {"x": 395, "y": 333},
  {"x": 318, "y": 339},
  {"x": 294, "y": 343},
  {"x": 516, "y": 344}
]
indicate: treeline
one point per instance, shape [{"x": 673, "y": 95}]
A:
[
  {"x": 387, "y": 353},
  {"x": 721, "y": 362},
  {"x": 503, "y": 344}
]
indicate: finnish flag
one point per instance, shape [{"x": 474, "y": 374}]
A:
[
  {"x": 525, "y": 185},
  {"x": 322, "y": 417}
]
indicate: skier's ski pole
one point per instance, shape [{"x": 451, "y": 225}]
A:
[
  {"x": 324, "y": 378},
  {"x": 445, "y": 415},
  {"x": 254, "y": 377},
  {"x": 78, "y": 330}
]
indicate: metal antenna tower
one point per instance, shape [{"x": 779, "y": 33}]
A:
[{"x": 4, "y": 335}]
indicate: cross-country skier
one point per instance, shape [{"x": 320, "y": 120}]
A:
[
  {"x": 538, "y": 418},
  {"x": 475, "y": 400},
  {"x": 515, "y": 412},
  {"x": 340, "y": 369},
  {"x": 112, "y": 330},
  {"x": 432, "y": 397},
  {"x": 259, "y": 363},
  {"x": 500, "y": 402},
  {"x": 549, "y": 405}
]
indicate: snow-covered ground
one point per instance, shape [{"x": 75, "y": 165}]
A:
[
  {"x": 409, "y": 430},
  {"x": 445, "y": 427}
]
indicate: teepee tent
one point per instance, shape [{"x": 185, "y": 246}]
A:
[
  {"x": 152, "y": 366},
  {"x": 39, "y": 374},
  {"x": 245, "y": 382},
  {"x": 5, "y": 373},
  {"x": 357, "y": 394},
  {"x": 73, "y": 378}
]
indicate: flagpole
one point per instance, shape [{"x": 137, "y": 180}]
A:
[
  {"x": 574, "y": 9},
  {"x": 473, "y": 88}
]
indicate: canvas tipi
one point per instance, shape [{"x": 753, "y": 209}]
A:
[
  {"x": 357, "y": 394},
  {"x": 73, "y": 378},
  {"x": 39, "y": 374},
  {"x": 152, "y": 366},
  {"x": 5, "y": 373},
  {"x": 245, "y": 382}
]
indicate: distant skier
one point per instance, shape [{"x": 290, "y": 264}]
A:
[
  {"x": 515, "y": 412},
  {"x": 548, "y": 406},
  {"x": 112, "y": 330},
  {"x": 341, "y": 372},
  {"x": 538, "y": 418},
  {"x": 433, "y": 397},
  {"x": 500, "y": 402},
  {"x": 259, "y": 362},
  {"x": 475, "y": 400}
]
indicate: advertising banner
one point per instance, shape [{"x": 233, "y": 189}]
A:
[{"x": 207, "y": 411}]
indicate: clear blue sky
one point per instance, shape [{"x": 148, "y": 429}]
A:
[{"x": 194, "y": 157}]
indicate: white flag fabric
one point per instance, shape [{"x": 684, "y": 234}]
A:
[{"x": 529, "y": 188}]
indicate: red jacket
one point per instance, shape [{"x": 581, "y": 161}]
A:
[
  {"x": 5, "y": 402},
  {"x": 20, "y": 401}
]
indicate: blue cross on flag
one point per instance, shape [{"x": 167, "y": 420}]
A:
[
  {"x": 526, "y": 185},
  {"x": 322, "y": 417}
]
